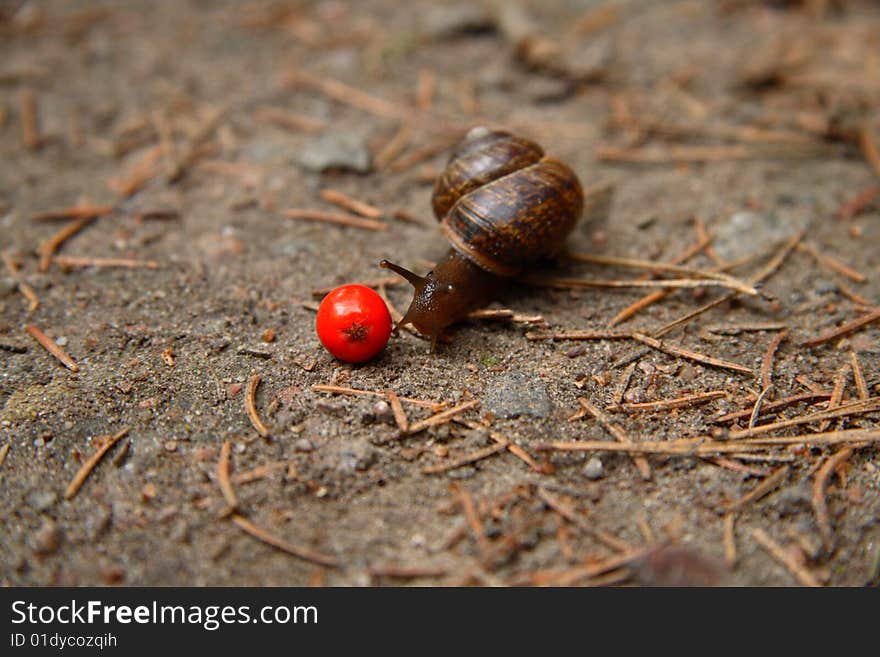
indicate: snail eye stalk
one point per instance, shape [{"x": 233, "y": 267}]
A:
[{"x": 414, "y": 279}]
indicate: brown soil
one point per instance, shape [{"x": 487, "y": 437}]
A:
[{"x": 779, "y": 93}]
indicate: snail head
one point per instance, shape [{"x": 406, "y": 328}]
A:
[{"x": 445, "y": 294}]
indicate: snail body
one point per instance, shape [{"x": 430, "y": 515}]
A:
[{"x": 503, "y": 205}]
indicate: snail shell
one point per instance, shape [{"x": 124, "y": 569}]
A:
[{"x": 503, "y": 204}]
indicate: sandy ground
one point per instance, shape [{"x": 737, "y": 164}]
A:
[{"x": 158, "y": 110}]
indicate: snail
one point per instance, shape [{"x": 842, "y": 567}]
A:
[{"x": 503, "y": 205}]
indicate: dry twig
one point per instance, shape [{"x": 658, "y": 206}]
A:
[
  {"x": 647, "y": 340},
  {"x": 729, "y": 541},
  {"x": 764, "y": 273},
  {"x": 439, "y": 418},
  {"x": 870, "y": 150},
  {"x": 48, "y": 248},
  {"x": 26, "y": 290},
  {"x": 75, "y": 212},
  {"x": 759, "y": 402},
  {"x": 30, "y": 119},
  {"x": 469, "y": 508},
  {"x": 289, "y": 120},
  {"x": 512, "y": 447},
  {"x": 767, "y": 360},
  {"x": 702, "y": 243},
  {"x": 250, "y": 405},
  {"x": 870, "y": 405},
  {"x": 49, "y": 345},
  {"x": 674, "y": 268},
  {"x": 820, "y": 506},
  {"x": 845, "y": 329},
  {"x": 861, "y": 384},
  {"x": 320, "y": 387},
  {"x": 104, "y": 263},
  {"x": 831, "y": 263},
  {"x": 619, "y": 434},
  {"x": 296, "y": 550},
  {"x": 399, "y": 414},
  {"x": 465, "y": 459},
  {"x": 348, "y": 203},
  {"x": 674, "y": 350},
  {"x": 768, "y": 485},
  {"x": 320, "y": 292},
  {"x": 395, "y": 146},
  {"x": 700, "y": 447},
  {"x": 223, "y": 477},
  {"x": 669, "y": 404},
  {"x": 193, "y": 149},
  {"x": 567, "y": 512},
  {"x": 347, "y": 94},
  {"x": 87, "y": 467},
  {"x": 335, "y": 218},
  {"x": 671, "y": 283},
  {"x": 140, "y": 173},
  {"x": 782, "y": 556},
  {"x": 769, "y": 407}
]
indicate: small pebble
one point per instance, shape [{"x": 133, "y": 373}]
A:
[
  {"x": 464, "y": 472},
  {"x": 41, "y": 500},
  {"x": 303, "y": 445},
  {"x": 745, "y": 233},
  {"x": 516, "y": 394},
  {"x": 594, "y": 469},
  {"x": 382, "y": 411},
  {"x": 444, "y": 22},
  {"x": 356, "y": 456},
  {"x": 7, "y": 286},
  {"x": 336, "y": 150},
  {"x": 61, "y": 341},
  {"x": 47, "y": 538},
  {"x": 549, "y": 90}
]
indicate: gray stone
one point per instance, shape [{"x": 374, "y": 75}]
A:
[
  {"x": 549, "y": 90},
  {"x": 355, "y": 456},
  {"x": 517, "y": 393},
  {"x": 303, "y": 445},
  {"x": 588, "y": 61},
  {"x": 594, "y": 469},
  {"x": 746, "y": 233},
  {"x": 336, "y": 150},
  {"x": 41, "y": 500},
  {"x": 443, "y": 22},
  {"x": 7, "y": 286}
]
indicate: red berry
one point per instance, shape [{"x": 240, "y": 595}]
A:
[{"x": 353, "y": 323}]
